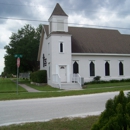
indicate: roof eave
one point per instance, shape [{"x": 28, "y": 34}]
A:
[{"x": 99, "y": 54}]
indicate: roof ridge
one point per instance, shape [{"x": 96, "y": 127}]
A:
[{"x": 93, "y": 28}]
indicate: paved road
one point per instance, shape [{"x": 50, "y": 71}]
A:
[{"x": 20, "y": 111}]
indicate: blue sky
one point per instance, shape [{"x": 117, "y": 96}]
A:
[{"x": 112, "y": 13}]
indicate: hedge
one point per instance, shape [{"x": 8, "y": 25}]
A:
[
  {"x": 39, "y": 76},
  {"x": 105, "y": 81}
]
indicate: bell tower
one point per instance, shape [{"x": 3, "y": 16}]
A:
[
  {"x": 60, "y": 44},
  {"x": 58, "y": 20}
]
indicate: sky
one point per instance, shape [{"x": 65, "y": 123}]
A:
[{"x": 112, "y": 14}]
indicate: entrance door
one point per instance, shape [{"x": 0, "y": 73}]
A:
[{"x": 62, "y": 72}]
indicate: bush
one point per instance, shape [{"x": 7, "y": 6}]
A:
[
  {"x": 97, "y": 78},
  {"x": 116, "y": 116},
  {"x": 104, "y": 81},
  {"x": 39, "y": 76},
  {"x": 114, "y": 81}
]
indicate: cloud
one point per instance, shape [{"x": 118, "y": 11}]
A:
[{"x": 113, "y": 13}]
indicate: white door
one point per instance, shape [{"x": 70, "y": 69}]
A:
[{"x": 63, "y": 74}]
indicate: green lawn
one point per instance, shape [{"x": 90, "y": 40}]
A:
[
  {"x": 57, "y": 124},
  {"x": 103, "y": 85},
  {"x": 43, "y": 87},
  {"x": 8, "y": 90},
  {"x": 7, "y": 86},
  {"x": 40, "y": 88}
]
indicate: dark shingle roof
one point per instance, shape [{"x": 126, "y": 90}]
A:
[
  {"x": 58, "y": 11},
  {"x": 90, "y": 40}
]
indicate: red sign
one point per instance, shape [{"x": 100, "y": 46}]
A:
[{"x": 18, "y": 62}]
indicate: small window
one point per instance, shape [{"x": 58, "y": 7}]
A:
[
  {"x": 121, "y": 70},
  {"x": 75, "y": 68},
  {"x": 44, "y": 61},
  {"x": 61, "y": 47},
  {"x": 92, "y": 69},
  {"x": 107, "y": 69}
]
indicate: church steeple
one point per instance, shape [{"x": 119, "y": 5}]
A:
[
  {"x": 58, "y": 11},
  {"x": 58, "y": 20}
]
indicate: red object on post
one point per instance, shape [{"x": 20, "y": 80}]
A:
[{"x": 18, "y": 62}]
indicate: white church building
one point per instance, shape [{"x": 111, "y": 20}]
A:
[{"x": 71, "y": 54}]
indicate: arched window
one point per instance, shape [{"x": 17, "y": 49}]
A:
[
  {"x": 61, "y": 47},
  {"x": 107, "y": 69},
  {"x": 92, "y": 69},
  {"x": 121, "y": 72},
  {"x": 75, "y": 68}
]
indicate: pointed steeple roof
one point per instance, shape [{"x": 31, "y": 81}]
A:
[{"x": 58, "y": 11}]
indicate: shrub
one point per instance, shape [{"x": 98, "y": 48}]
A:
[
  {"x": 116, "y": 116},
  {"x": 104, "y": 81},
  {"x": 114, "y": 81},
  {"x": 39, "y": 76},
  {"x": 97, "y": 78}
]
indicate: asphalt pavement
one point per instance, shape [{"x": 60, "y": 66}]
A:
[{"x": 43, "y": 109}]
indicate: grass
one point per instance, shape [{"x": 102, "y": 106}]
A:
[
  {"x": 103, "y": 85},
  {"x": 8, "y": 90},
  {"x": 40, "y": 88},
  {"x": 43, "y": 87},
  {"x": 57, "y": 124},
  {"x": 7, "y": 86}
]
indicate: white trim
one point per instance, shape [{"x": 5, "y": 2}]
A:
[
  {"x": 99, "y": 54},
  {"x": 48, "y": 46}
]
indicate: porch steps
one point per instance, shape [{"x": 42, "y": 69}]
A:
[{"x": 70, "y": 86}]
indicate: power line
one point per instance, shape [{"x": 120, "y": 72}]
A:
[
  {"x": 22, "y": 19},
  {"x": 65, "y": 23}
]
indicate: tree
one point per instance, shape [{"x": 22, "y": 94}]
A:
[
  {"x": 25, "y": 42},
  {"x": 116, "y": 116}
]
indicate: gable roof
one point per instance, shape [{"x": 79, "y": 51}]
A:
[
  {"x": 91, "y": 40},
  {"x": 58, "y": 11}
]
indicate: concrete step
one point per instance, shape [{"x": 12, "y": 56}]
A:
[{"x": 70, "y": 86}]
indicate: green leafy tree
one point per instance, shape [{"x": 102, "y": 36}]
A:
[
  {"x": 116, "y": 116},
  {"x": 25, "y": 42}
]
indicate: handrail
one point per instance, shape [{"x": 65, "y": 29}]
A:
[
  {"x": 56, "y": 79},
  {"x": 76, "y": 78}
]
